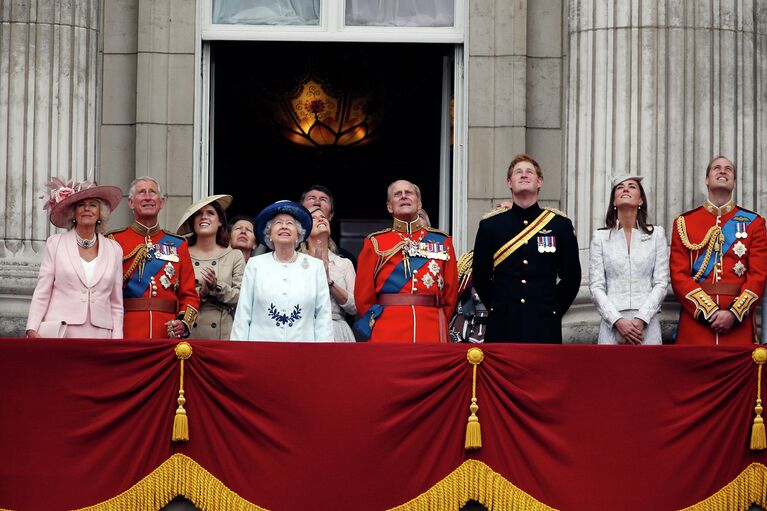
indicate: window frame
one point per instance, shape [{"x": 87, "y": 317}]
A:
[{"x": 332, "y": 27}]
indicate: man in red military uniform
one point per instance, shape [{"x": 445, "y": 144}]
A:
[
  {"x": 718, "y": 264},
  {"x": 159, "y": 293},
  {"x": 407, "y": 278}
]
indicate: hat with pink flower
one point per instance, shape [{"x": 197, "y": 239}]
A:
[{"x": 62, "y": 194}]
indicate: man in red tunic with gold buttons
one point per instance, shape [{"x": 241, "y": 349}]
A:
[
  {"x": 407, "y": 279},
  {"x": 159, "y": 293},
  {"x": 718, "y": 264}
]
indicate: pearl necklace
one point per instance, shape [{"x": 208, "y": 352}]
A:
[
  {"x": 83, "y": 243},
  {"x": 291, "y": 260}
]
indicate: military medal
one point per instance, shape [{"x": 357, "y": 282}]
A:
[
  {"x": 541, "y": 244},
  {"x": 166, "y": 252},
  {"x": 165, "y": 281},
  {"x": 739, "y": 269},
  {"x": 433, "y": 267},
  {"x": 170, "y": 271},
  {"x": 740, "y": 231},
  {"x": 739, "y": 248}
]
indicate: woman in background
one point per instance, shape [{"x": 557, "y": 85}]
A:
[
  {"x": 218, "y": 268},
  {"x": 80, "y": 280},
  {"x": 340, "y": 275},
  {"x": 242, "y": 233},
  {"x": 628, "y": 268}
]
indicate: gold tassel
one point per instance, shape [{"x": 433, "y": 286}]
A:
[
  {"x": 473, "y": 430},
  {"x": 758, "y": 437},
  {"x": 180, "y": 421}
]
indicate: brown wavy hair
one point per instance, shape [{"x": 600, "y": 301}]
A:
[
  {"x": 611, "y": 218},
  {"x": 222, "y": 233}
]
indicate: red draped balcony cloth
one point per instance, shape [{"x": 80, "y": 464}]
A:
[{"x": 376, "y": 427}]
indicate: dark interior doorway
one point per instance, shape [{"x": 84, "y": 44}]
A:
[{"x": 252, "y": 158}]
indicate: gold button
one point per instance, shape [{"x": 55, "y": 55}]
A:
[
  {"x": 522, "y": 300},
  {"x": 554, "y": 312},
  {"x": 524, "y": 261},
  {"x": 525, "y": 242},
  {"x": 154, "y": 293},
  {"x": 525, "y": 222},
  {"x": 524, "y": 281}
]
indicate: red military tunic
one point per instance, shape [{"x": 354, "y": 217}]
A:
[
  {"x": 158, "y": 288},
  {"x": 411, "y": 271},
  {"x": 738, "y": 271}
]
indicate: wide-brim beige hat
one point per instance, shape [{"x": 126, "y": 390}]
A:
[
  {"x": 223, "y": 200},
  {"x": 61, "y": 214}
]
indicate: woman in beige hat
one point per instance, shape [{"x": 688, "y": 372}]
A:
[
  {"x": 218, "y": 268},
  {"x": 79, "y": 288}
]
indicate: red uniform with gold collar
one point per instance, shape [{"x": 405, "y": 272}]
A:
[
  {"x": 158, "y": 281},
  {"x": 732, "y": 277},
  {"x": 410, "y": 271}
]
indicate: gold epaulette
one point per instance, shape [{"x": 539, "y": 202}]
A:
[
  {"x": 465, "y": 263},
  {"x": 369, "y": 236},
  {"x": 704, "y": 304},
  {"x": 431, "y": 229},
  {"x": 555, "y": 210},
  {"x": 494, "y": 212},
  {"x": 742, "y": 304},
  {"x": 111, "y": 233}
]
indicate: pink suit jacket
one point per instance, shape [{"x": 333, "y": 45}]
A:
[{"x": 63, "y": 294}]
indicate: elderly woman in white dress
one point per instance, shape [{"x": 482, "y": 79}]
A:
[
  {"x": 340, "y": 275},
  {"x": 628, "y": 268},
  {"x": 284, "y": 294}
]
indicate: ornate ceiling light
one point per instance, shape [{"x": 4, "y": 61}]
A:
[{"x": 316, "y": 115}]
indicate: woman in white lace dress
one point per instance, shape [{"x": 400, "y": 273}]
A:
[
  {"x": 628, "y": 268},
  {"x": 340, "y": 272}
]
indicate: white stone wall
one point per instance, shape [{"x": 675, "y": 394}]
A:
[{"x": 48, "y": 125}]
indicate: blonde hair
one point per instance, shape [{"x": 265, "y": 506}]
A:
[{"x": 101, "y": 224}]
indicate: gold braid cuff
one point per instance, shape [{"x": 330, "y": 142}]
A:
[
  {"x": 742, "y": 304},
  {"x": 703, "y": 303},
  {"x": 189, "y": 317},
  {"x": 712, "y": 241}
]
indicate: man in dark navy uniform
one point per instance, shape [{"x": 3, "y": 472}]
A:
[{"x": 526, "y": 268}]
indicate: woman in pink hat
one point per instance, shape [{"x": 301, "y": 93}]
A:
[{"x": 79, "y": 289}]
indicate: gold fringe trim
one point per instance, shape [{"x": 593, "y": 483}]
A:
[
  {"x": 473, "y": 480},
  {"x": 178, "y": 475},
  {"x": 746, "y": 489}
]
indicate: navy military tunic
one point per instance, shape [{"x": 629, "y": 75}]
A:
[{"x": 530, "y": 290}]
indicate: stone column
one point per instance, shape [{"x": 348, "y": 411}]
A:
[
  {"x": 658, "y": 88},
  {"x": 48, "y": 112}
]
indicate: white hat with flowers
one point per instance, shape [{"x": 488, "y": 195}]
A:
[{"x": 62, "y": 194}]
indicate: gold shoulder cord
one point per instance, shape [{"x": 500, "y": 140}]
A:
[
  {"x": 139, "y": 252},
  {"x": 712, "y": 241},
  {"x": 383, "y": 257}
]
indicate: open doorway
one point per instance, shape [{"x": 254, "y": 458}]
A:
[{"x": 393, "y": 104}]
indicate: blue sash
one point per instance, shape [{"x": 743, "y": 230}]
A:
[
  {"x": 397, "y": 277},
  {"x": 135, "y": 288},
  {"x": 728, "y": 231}
]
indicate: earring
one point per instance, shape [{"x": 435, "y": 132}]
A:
[
  {"x": 615, "y": 207},
  {"x": 98, "y": 222},
  {"x": 74, "y": 221}
]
